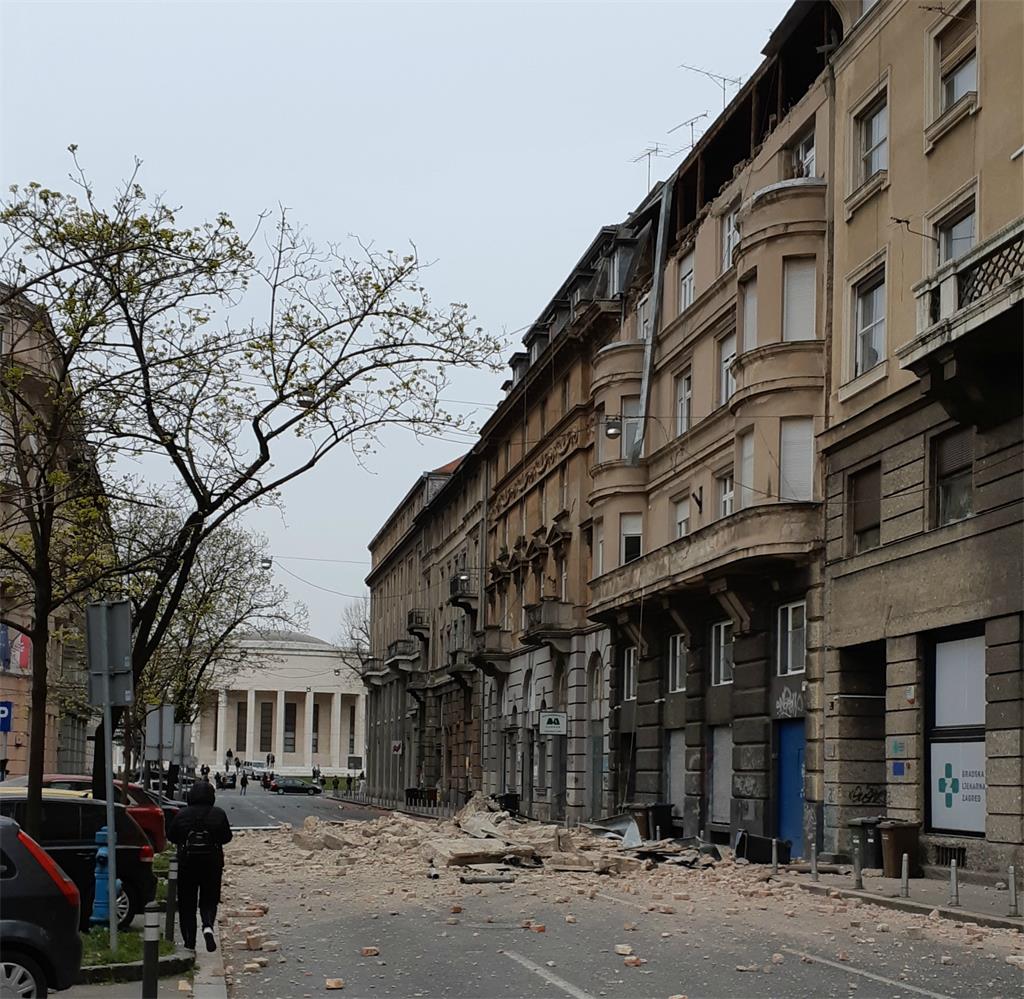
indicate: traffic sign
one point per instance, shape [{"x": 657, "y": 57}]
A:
[{"x": 6, "y": 715}]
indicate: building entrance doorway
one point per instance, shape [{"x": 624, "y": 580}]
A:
[{"x": 790, "y": 742}]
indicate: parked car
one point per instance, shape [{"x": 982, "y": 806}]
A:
[
  {"x": 40, "y": 948},
  {"x": 142, "y": 806},
  {"x": 70, "y": 822},
  {"x": 228, "y": 780},
  {"x": 292, "y": 785}
]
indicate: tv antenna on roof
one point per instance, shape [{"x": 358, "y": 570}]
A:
[
  {"x": 653, "y": 149},
  {"x": 689, "y": 122},
  {"x": 722, "y": 81}
]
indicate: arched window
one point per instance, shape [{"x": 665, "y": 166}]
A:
[
  {"x": 528, "y": 692},
  {"x": 595, "y": 687}
]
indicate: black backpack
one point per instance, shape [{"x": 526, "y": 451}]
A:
[{"x": 199, "y": 843}]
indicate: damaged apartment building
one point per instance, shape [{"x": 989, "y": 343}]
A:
[{"x": 744, "y": 534}]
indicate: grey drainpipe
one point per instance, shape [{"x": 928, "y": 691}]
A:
[{"x": 658, "y": 294}]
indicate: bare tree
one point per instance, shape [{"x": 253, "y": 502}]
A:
[
  {"x": 355, "y": 629},
  {"x": 223, "y": 367}
]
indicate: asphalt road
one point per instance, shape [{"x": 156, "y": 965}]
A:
[
  {"x": 258, "y": 808},
  {"x": 321, "y": 924}
]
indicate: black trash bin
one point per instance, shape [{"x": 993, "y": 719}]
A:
[
  {"x": 651, "y": 818},
  {"x": 866, "y": 840}
]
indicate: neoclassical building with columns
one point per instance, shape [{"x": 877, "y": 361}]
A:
[{"x": 297, "y": 697}]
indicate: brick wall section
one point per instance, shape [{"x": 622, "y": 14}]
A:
[{"x": 1004, "y": 753}]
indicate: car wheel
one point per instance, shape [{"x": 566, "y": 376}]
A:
[
  {"x": 126, "y": 908},
  {"x": 311, "y": 791},
  {"x": 280, "y": 790},
  {"x": 21, "y": 977}
]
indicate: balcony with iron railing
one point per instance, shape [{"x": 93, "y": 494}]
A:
[
  {"x": 464, "y": 591},
  {"x": 372, "y": 667},
  {"x": 966, "y": 293},
  {"x": 418, "y": 622}
]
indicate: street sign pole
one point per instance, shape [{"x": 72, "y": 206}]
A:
[
  {"x": 108, "y": 748},
  {"x": 108, "y": 634}
]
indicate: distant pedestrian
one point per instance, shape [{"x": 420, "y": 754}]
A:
[
  {"x": 334, "y": 784},
  {"x": 244, "y": 783},
  {"x": 199, "y": 831},
  {"x": 268, "y": 760},
  {"x": 348, "y": 783}
]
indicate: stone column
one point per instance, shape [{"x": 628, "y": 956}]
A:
[
  {"x": 1004, "y": 754},
  {"x": 307, "y": 730},
  {"x": 279, "y": 732},
  {"x": 337, "y": 752},
  {"x": 251, "y": 749},
  {"x": 222, "y": 729},
  {"x": 904, "y": 728}
]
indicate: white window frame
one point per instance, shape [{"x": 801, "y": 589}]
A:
[
  {"x": 869, "y": 148},
  {"x": 624, "y": 534},
  {"x": 632, "y": 427},
  {"x": 726, "y": 482},
  {"x": 563, "y": 579},
  {"x": 682, "y": 523},
  {"x": 745, "y": 464},
  {"x": 726, "y": 355},
  {"x": 686, "y": 285},
  {"x": 721, "y": 659},
  {"x": 869, "y": 283},
  {"x": 677, "y": 662},
  {"x": 947, "y": 100},
  {"x": 748, "y": 299},
  {"x": 629, "y": 670},
  {"x": 791, "y": 489},
  {"x": 795, "y": 326},
  {"x": 730, "y": 235},
  {"x": 944, "y": 231},
  {"x": 802, "y": 160},
  {"x": 684, "y": 401},
  {"x": 598, "y": 548},
  {"x": 785, "y": 650},
  {"x": 643, "y": 318}
]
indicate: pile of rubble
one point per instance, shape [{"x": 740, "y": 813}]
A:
[{"x": 488, "y": 841}]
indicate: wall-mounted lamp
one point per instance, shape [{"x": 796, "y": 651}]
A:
[
  {"x": 613, "y": 426},
  {"x": 266, "y": 562}
]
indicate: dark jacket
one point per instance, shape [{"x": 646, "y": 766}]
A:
[{"x": 200, "y": 813}]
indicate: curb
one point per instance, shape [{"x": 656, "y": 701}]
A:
[
  {"x": 99, "y": 974},
  {"x": 206, "y": 984},
  {"x": 908, "y": 905}
]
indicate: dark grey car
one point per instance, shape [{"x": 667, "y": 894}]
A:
[{"x": 40, "y": 948}]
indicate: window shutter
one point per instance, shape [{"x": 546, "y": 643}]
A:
[
  {"x": 798, "y": 299},
  {"x": 867, "y": 498},
  {"x": 750, "y": 314},
  {"x": 746, "y": 482},
  {"x": 954, "y": 452},
  {"x": 796, "y": 480}
]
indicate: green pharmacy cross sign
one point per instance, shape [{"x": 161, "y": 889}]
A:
[{"x": 949, "y": 785}]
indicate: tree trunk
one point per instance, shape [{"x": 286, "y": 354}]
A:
[{"x": 37, "y": 735}]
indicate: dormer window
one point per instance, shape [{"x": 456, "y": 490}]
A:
[{"x": 643, "y": 318}]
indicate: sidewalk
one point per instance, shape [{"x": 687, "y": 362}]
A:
[{"x": 978, "y": 903}]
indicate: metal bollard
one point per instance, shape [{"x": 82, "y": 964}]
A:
[
  {"x": 172, "y": 900},
  {"x": 814, "y": 861},
  {"x": 775, "y": 856},
  {"x": 1011, "y": 883},
  {"x": 657, "y": 832},
  {"x": 858, "y": 874},
  {"x": 905, "y": 876},
  {"x": 954, "y": 884},
  {"x": 151, "y": 952}
]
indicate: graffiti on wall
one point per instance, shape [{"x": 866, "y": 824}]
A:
[{"x": 789, "y": 704}]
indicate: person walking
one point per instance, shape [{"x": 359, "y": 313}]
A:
[
  {"x": 244, "y": 783},
  {"x": 348, "y": 783},
  {"x": 199, "y": 831}
]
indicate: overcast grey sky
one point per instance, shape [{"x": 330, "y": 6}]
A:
[{"x": 496, "y": 136}]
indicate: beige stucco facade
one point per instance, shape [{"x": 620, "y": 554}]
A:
[{"x": 829, "y": 284}]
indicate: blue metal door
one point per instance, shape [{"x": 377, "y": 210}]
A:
[{"x": 791, "y": 742}]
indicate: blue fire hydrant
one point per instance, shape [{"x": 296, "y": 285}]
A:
[{"x": 101, "y": 896}]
